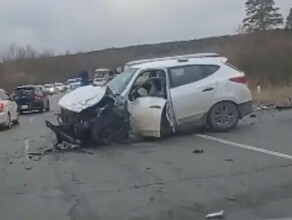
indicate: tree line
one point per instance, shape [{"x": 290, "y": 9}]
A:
[
  {"x": 263, "y": 15},
  {"x": 262, "y": 50}
]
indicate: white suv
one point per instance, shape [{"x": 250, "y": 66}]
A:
[
  {"x": 159, "y": 96},
  {"x": 187, "y": 90}
]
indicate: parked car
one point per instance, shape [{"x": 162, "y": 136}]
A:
[
  {"x": 50, "y": 89},
  {"x": 8, "y": 110},
  {"x": 60, "y": 87},
  {"x": 30, "y": 98},
  {"x": 157, "y": 96}
]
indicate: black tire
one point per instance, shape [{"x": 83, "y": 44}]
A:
[
  {"x": 16, "y": 121},
  {"x": 10, "y": 123},
  {"x": 41, "y": 110},
  {"x": 48, "y": 106},
  {"x": 102, "y": 132},
  {"x": 223, "y": 117}
]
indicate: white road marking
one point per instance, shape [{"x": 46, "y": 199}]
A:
[
  {"x": 26, "y": 147},
  {"x": 246, "y": 147}
]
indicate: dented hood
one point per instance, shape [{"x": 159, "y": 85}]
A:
[{"x": 82, "y": 98}]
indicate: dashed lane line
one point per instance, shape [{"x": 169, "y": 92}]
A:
[{"x": 246, "y": 147}]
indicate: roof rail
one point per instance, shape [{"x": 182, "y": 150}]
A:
[{"x": 186, "y": 56}]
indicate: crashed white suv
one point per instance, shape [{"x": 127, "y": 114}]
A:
[
  {"x": 168, "y": 94},
  {"x": 198, "y": 89}
]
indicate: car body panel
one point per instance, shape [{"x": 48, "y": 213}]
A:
[
  {"x": 190, "y": 102},
  {"x": 145, "y": 115},
  {"x": 10, "y": 107}
]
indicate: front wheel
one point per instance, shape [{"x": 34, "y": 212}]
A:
[
  {"x": 102, "y": 134},
  {"x": 223, "y": 116},
  {"x": 9, "y": 121},
  {"x": 16, "y": 121}
]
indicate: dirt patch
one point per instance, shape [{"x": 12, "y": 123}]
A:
[{"x": 275, "y": 95}]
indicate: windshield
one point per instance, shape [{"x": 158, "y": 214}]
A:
[{"x": 120, "y": 82}]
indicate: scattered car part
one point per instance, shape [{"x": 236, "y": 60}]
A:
[
  {"x": 198, "y": 151},
  {"x": 215, "y": 215}
]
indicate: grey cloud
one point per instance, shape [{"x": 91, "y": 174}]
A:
[{"x": 76, "y": 25}]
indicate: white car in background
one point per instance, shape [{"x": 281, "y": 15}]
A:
[
  {"x": 60, "y": 87},
  {"x": 8, "y": 110},
  {"x": 49, "y": 89}
]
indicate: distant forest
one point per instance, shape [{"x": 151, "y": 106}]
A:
[{"x": 262, "y": 55}]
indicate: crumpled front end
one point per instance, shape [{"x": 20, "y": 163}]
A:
[{"x": 98, "y": 119}]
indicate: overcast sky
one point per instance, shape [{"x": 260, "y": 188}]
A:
[{"x": 86, "y": 25}]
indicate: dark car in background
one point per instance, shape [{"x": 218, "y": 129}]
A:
[{"x": 29, "y": 98}]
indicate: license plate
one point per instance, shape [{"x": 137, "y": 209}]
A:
[{"x": 24, "y": 107}]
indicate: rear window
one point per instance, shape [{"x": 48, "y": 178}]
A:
[
  {"x": 232, "y": 66},
  {"x": 25, "y": 91}
]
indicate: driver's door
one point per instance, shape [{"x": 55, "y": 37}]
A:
[{"x": 145, "y": 112}]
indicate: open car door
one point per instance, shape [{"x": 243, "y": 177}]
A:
[{"x": 145, "y": 115}]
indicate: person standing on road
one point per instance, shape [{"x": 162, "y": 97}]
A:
[{"x": 84, "y": 75}]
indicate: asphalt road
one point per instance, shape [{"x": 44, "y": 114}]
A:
[{"x": 246, "y": 173}]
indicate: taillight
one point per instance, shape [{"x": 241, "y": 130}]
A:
[
  {"x": 38, "y": 97},
  {"x": 2, "y": 107},
  {"x": 239, "y": 79}
]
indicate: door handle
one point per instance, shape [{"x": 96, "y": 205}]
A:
[
  {"x": 155, "y": 106},
  {"x": 208, "y": 89}
]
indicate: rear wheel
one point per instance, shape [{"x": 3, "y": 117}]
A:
[
  {"x": 16, "y": 121},
  {"x": 42, "y": 108},
  {"x": 9, "y": 121},
  {"x": 223, "y": 116},
  {"x": 48, "y": 106}
]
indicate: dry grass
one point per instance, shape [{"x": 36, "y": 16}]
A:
[{"x": 275, "y": 95}]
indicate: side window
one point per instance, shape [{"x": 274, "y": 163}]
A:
[{"x": 188, "y": 74}]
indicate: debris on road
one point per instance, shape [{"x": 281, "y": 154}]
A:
[
  {"x": 28, "y": 167},
  {"x": 198, "y": 151},
  {"x": 253, "y": 116},
  {"x": 231, "y": 199},
  {"x": 229, "y": 160},
  {"x": 215, "y": 215}
]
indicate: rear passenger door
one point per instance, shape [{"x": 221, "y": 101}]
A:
[{"x": 192, "y": 90}]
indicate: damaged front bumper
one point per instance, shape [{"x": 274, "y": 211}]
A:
[{"x": 62, "y": 134}]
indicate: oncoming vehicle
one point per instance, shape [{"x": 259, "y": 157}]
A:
[
  {"x": 30, "y": 98},
  {"x": 158, "y": 96},
  {"x": 8, "y": 110},
  {"x": 99, "y": 76}
]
